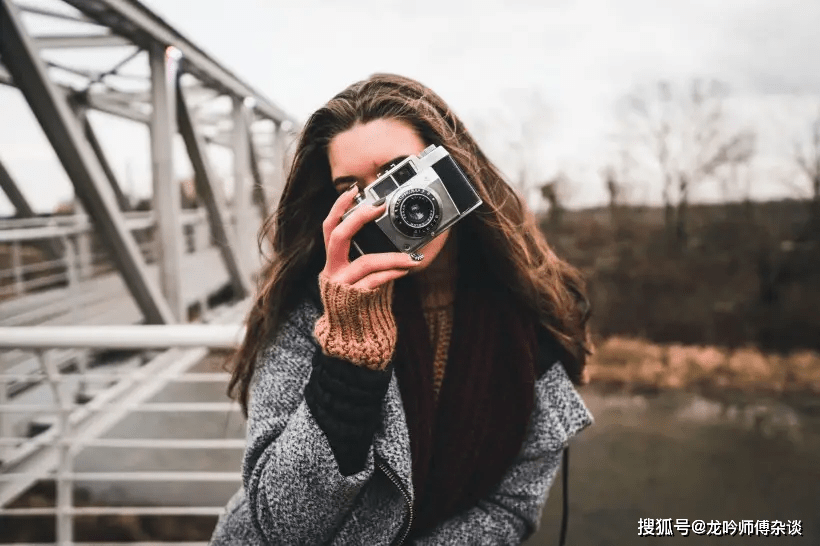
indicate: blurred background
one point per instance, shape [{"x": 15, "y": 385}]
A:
[{"x": 671, "y": 151}]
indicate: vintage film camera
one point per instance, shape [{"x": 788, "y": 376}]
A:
[{"x": 425, "y": 196}]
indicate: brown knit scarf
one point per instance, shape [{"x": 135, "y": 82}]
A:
[
  {"x": 436, "y": 285},
  {"x": 462, "y": 446}
]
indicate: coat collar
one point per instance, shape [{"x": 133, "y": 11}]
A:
[{"x": 392, "y": 441}]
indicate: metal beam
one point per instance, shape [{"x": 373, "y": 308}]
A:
[
  {"x": 133, "y": 20},
  {"x": 209, "y": 189},
  {"x": 220, "y": 139},
  {"x": 244, "y": 223},
  {"x": 164, "y": 63},
  {"x": 91, "y": 136},
  {"x": 77, "y": 41},
  {"x": 16, "y": 197},
  {"x": 55, "y": 14},
  {"x": 110, "y": 103},
  {"x": 97, "y": 101},
  {"x": 61, "y": 127},
  {"x": 122, "y": 200},
  {"x": 96, "y": 75},
  {"x": 260, "y": 195},
  {"x": 90, "y": 74},
  {"x": 128, "y": 97},
  {"x": 101, "y": 102},
  {"x": 5, "y": 77}
]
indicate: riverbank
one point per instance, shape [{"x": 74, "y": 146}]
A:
[{"x": 622, "y": 364}]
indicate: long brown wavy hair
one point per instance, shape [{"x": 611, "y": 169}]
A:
[{"x": 503, "y": 229}]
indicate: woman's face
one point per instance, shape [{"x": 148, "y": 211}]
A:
[{"x": 358, "y": 155}]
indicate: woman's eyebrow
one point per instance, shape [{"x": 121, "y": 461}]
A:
[
  {"x": 345, "y": 180},
  {"x": 396, "y": 159},
  {"x": 382, "y": 168}
]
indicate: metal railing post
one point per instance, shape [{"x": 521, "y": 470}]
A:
[
  {"x": 5, "y": 427},
  {"x": 52, "y": 453},
  {"x": 203, "y": 232},
  {"x": 65, "y": 517},
  {"x": 73, "y": 246},
  {"x": 17, "y": 267},
  {"x": 70, "y": 259},
  {"x": 72, "y": 273},
  {"x": 82, "y": 249}
]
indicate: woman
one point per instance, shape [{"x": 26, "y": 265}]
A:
[{"x": 392, "y": 401}]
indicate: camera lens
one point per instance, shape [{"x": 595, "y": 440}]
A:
[{"x": 416, "y": 213}]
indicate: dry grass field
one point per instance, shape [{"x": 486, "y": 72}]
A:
[{"x": 635, "y": 363}]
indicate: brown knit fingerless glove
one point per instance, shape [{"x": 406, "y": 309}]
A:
[{"x": 358, "y": 324}]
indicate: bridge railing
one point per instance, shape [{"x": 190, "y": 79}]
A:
[
  {"x": 63, "y": 250},
  {"x": 50, "y": 454}
]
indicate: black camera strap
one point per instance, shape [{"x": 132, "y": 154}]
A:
[{"x": 565, "y": 480}]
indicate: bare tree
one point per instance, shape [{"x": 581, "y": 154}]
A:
[
  {"x": 688, "y": 138},
  {"x": 516, "y": 135},
  {"x": 555, "y": 192},
  {"x": 615, "y": 191},
  {"x": 807, "y": 155},
  {"x": 620, "y": 181}
]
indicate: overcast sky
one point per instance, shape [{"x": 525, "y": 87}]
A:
[{"x": 486, "y": 58}]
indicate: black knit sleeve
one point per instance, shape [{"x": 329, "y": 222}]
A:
[{"x": 346, "y": 401}]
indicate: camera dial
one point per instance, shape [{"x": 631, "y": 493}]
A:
[{"x": 416, "y": 212}]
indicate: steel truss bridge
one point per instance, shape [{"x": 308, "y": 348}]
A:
[{"x": 107, "y": 314}]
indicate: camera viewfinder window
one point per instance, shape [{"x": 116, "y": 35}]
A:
[
  {"x": 405, "y": 173},
  {"x": 385, "y": 187}
]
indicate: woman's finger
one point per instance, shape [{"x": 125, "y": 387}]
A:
[
  {"x": 338, "y": 243},
  {"x": 374, "y": 280},
  {"x": 372, "y": 263},
  {"x": 342, "y": 205}
]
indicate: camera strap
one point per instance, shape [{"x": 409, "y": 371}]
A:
[{"x": 565, "y": 480}]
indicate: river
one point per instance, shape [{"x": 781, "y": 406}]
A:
[{"x": 680, "y": 455}]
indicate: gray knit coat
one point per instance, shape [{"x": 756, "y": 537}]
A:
[{"x": 294, "y": 491}]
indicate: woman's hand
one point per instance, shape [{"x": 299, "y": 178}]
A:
[{"x": 370, "y": 270}]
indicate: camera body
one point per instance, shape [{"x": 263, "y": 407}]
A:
[{"x": 425, "y": 196}]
